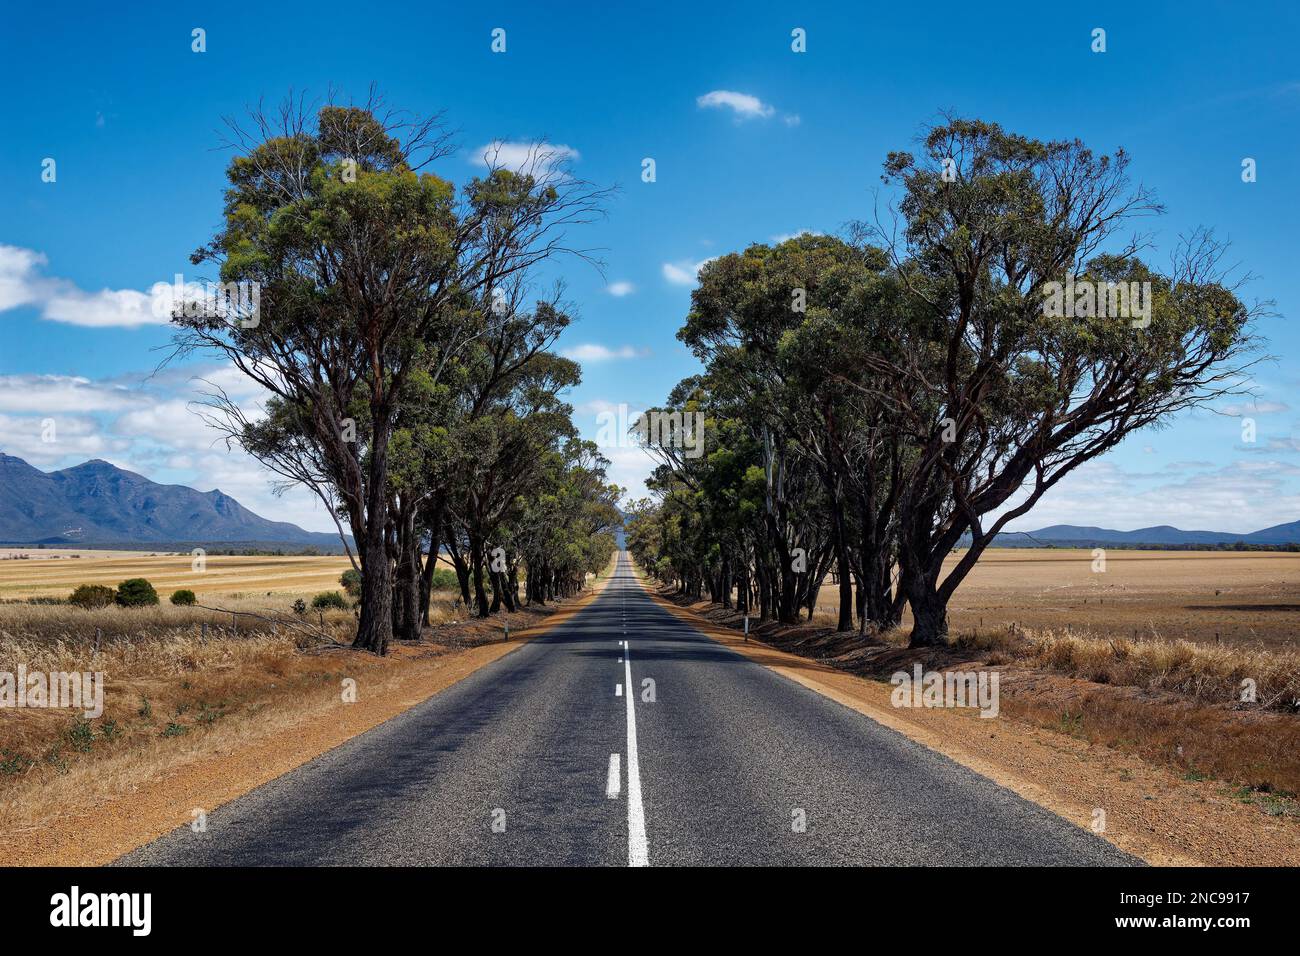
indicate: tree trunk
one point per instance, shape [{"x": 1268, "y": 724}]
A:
[
  {"x": 476, "y": 564},
  {"x": 929, "y": 620},
  {"x": 375, "y": 628}
]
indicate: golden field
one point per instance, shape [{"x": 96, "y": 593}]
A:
[
  {"x": 56, "y": 573},
  {"x": 1246, "y": 598}
]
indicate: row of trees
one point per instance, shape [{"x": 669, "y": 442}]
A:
[
  {"x": 872, "y": 403},
  {"x": 405, "y": 346}
]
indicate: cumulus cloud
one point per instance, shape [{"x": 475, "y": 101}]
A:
[
  {"x": 742, "y": 105},
  {"x": 620, "y": 289},
  {"x": 22, "y": 283},
  {"x": 51, "y": 441}
]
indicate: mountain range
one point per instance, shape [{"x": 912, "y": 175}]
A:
[
  {"x": 97, "y": 503},
  {"x": 1159, "y": 536}
]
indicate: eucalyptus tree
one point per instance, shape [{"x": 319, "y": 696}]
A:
[
  {"x": 999, "y": 393},
  {"x": 363, "y": 263}
]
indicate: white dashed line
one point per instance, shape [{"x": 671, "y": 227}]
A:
[{"x": 612, "y": 781}]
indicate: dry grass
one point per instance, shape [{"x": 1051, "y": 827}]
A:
[{"x": 1204, "y": 674}]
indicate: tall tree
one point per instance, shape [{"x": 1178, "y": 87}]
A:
[{"x": 365, "y": 265}]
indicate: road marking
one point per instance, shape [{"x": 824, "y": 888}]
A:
[
  {"x": 612, "y": 781},
  {"x": 618, "y": 690},
  {"x": 638, "y": 852}
]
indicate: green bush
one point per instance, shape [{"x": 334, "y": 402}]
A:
[
  {"x": 92, "y": 596},
  {"x": 183, "y": 598},
  {"x": 300, "y": 607},
  {"x": 329, "y": 599},
  {"x": 444, "y": 579},
  {"x": 136, "y": 592},
  {"x": 351, "y": 581}
]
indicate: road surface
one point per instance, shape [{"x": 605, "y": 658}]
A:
[{"x": 561, "y": 753}]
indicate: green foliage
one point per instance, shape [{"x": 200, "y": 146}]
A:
[
  {"x": 351, "y": 581},
  {"x": 136, "y": 592},
  {"x": 444, "y": 579},
  {"x": 90, "y": 596},
  {"x": 327, "y": 600},
  {"x": 299, "y": 607},
  {"x": 183, "y": 598}
]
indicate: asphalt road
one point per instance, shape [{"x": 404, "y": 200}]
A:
[{"x": 544, "y": 758}]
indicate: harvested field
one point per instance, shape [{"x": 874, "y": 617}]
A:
[
  {"x": 221, "y": 575},
  {"x": 1245, "y": 598}
]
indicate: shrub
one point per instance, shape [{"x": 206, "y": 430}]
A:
[
  {"x": 136, "y": 592},
  {"x": 183, "y": 598},
  {"x": 329, "y": 599},
  {"x": 92, "y": 596},
  {"x": 351, "y": 581},
  {"x": 300, "y": 607},
  {"x": 444, "y": 579}
]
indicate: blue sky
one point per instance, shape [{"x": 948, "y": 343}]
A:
[{"x": 790, "y": 141}]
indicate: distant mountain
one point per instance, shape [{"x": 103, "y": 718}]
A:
[
  {"x": 1075, "y": 536},
  {"x": 99, "y": 503}
]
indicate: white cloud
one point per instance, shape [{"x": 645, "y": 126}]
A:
[
  {"x": 620, "y": 289},
  {"x": 52, "y": 394},
  {"x": 594, "y": 352},
  {"x": 60, "y": 300},
  {"x": 52, "y": 440},
  {"x": 106, "y": 308},
  {"x": 629, "y": 468},
  {"x": 537, "y": 158},
  {"x": 743, "y": 105},
  {"x": 175, "y": 424},
  {"x": 683, "y": 271},
  {"x": 19, "y": 282}
]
